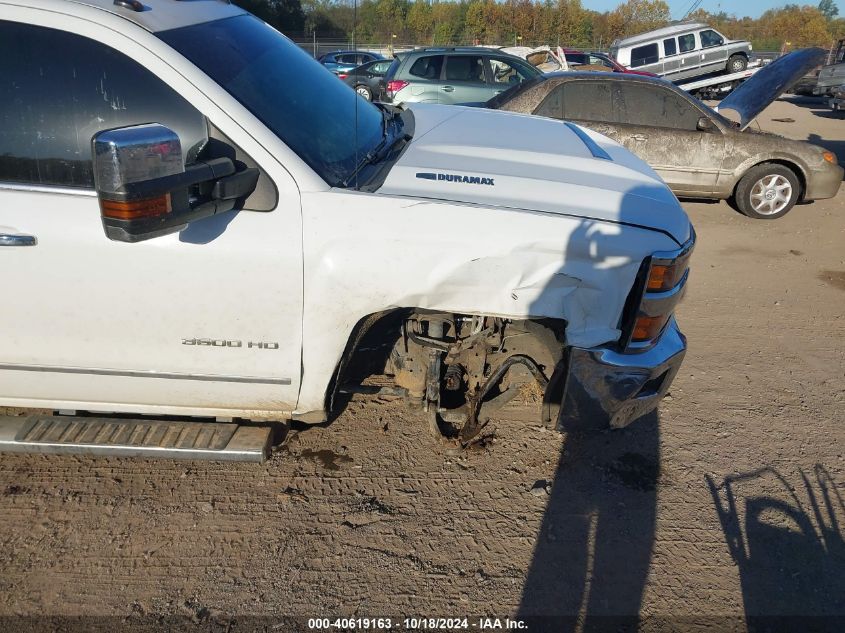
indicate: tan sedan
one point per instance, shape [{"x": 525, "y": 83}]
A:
[{"x": 697, "y": 151}]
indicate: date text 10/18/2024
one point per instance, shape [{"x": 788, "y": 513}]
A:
[{"x": 417, "y": 624}]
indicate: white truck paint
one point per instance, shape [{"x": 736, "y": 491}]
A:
[{"x": 560, "y": 232}]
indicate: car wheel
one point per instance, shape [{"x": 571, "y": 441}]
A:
[
  {"x": 364, "y": 92},
  {"x": 767, "y": 191},
  {"x": 737, "y": 63}
]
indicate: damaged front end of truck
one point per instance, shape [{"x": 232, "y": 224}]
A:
[
  {"x": 541, "y": 258},
  {"x": 462, "y": 369}
]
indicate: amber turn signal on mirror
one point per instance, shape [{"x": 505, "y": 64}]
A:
[{"x": 135, "y": 209}]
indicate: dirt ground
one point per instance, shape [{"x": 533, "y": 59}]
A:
[{"x": 725, "y": 505}]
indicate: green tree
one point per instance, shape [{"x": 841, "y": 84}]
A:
[
  {"x": 475, "y": 24},
  {"x": 419, "y": 21},
  {"x": 447, "y": 22},
  {"x": 828, "y": 9},
  {"x": 638, "y": 16},
  {"x": 573, "y": 24},
  {"x": 800, "y": 26},
  {"x": 391, "y": 18}
]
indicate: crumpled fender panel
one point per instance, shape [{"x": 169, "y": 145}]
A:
[{"x": 365, "y": 253}]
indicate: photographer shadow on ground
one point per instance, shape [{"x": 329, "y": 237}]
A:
[
  {"x": 594, "y": 547},
  {"x": 787, "y": 540}
]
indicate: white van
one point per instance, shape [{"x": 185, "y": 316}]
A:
[{"x": 682, "y": 51}]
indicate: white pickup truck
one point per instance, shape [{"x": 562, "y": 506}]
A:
[{"x": 198, "y": 220}]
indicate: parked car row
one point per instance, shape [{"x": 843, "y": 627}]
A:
[
  {"x": 697, "y": 151},
  {"x": 474, "y": 74},
  {"x": 343, "y": 61}
]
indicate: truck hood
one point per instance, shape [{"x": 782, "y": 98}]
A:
[
  {"x": 744, "y": 104},
  {"x": 509, "y": 160}
]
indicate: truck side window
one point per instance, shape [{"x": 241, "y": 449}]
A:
[
  {"x": 710, "y": 38},
  {"x": 59, "y": 89},
  {"x": 687, "y": 42},
  {"x": 588, "y": 101},
  {"x": 642, "y": 55},
  {"x": 670, "y": 47},
  {"x": 650, "y": 106}
]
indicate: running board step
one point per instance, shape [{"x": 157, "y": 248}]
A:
[{"x": 134, "y": 438}]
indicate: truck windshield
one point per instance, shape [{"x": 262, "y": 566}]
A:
[{"x": 305, "y": 105}]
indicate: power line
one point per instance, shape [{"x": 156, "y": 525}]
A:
[{"x": 693, "y": 7}]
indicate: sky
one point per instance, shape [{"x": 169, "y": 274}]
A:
[{"x": 752, "y": 8}]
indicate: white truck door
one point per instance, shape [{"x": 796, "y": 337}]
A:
[{"x": 203, "y": 322}]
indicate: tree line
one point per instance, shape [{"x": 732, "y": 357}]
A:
[{"x": 532, "y": 22}]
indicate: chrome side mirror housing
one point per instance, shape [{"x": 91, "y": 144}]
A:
[{"x": 145, "y": 189}]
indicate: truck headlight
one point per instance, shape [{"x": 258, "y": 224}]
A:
[
  {"x": 664, "y": 276},
  {"x": 659, "y": 288},
  {"x": 648, "y": 328}
]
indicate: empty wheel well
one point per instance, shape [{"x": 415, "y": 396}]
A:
[
  {"x": 381, "y": 328},
  {"x": 377, "y": 336}
]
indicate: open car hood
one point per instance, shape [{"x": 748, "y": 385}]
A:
[{"x": 745, "y": 103}]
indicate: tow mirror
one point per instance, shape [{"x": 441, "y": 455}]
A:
[
  {"x": 705, "y": 125},
  {"x": 146, "y": 191}
]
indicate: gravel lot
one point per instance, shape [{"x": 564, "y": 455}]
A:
[{"x": 727, "y": 504}]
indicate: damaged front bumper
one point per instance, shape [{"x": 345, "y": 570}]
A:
[{"x": 605, "y": 387}]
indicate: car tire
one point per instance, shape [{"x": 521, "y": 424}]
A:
[
  {"x": 737, "y": 63},
  {"x": 364, "y": 91},
  {"x": 767, "y": 191}
]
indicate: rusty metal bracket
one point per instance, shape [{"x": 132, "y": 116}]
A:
[{"x": 472, "y": 427}]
